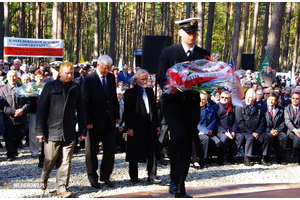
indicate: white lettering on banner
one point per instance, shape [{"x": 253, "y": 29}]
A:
[
  {"x": 212, "y": 74},
  {"x": 28, "y": 42}
]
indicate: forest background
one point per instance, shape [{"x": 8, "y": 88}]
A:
[{"x": 90, "y": 29}]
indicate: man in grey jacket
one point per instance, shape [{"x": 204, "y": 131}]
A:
[
  {"x": 56, "y": 125},
  {"x": 14, "y": 115}
]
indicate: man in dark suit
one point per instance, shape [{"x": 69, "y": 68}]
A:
[
  {"x": 227, "y": 130},
  {"x": 14, "y": 115},
  {"x": 102, "y": 114},
  {"x": 275, "y": 124},
  {"x": 181, "y": 109},
  {"x": 124, "y": 75},
  {"x": 292, "y": 121},
  {"x": 84, "y": 70},
  {"x": 251, "y": 123},
  {"x": 142, "y": 126}
]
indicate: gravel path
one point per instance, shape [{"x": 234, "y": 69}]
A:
[{"x": 24, "y": 169}]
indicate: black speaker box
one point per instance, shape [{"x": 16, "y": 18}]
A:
[
  {"x": 152, "y": 48},
  {"x": 248, "y": 61}
]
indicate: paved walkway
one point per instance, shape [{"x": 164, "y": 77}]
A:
[{"x": 277, "y": 190}]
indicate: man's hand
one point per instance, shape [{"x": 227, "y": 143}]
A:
[
  {"x": 255, "y": 135},
  {"x": 274, "y": 132},
  {"x": 89, "y": 126},
  {"x": 80, "y": 138},
  {"x": 118, "y": 121},
  {"x": 41, "y": 138},
  {"x": 297, "y": 132},
  {"x": 130, "y": 132},
  {"x": 121, "y": 129},
  {"x": 201, "y": 133},
  {"x": 18, "y": 113},
  {"x": 173, "y": 90},
  {"x": 227, "y": 133},
  {"x": 209, "y": 132},
  {"x": 157, "y": 130}
]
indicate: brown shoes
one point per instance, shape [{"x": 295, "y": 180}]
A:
[{"x": 64, "y": 194}]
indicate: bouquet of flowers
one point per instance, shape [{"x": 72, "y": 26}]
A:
[
  {"x": 30, "y": 89},
  {"x": 204, "y": 74}
]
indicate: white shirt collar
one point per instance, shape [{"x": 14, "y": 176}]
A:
[
  {"x": 185, "y": 48},
  {"x": 295, "y": 107},
  {"x": 99, "y": 74}
]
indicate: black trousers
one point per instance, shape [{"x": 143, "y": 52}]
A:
[
  {"x": 265, "y": 139},
  {"x": 13, "y": 136},
  {"x": 180, "y": 149},
  {"x": 233, "y": 145},
  {"x": 91, "y": 150}
]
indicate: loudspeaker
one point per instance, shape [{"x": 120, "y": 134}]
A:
[
  {"x": 248, "y": 61},
  {"x": 152, "y": 48}
]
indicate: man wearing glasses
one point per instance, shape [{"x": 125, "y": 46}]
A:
[{"x": 227, "y": 130}]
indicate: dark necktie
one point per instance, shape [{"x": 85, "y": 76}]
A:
[
  {"x": 189, "y": 55},
  {"x": 104, "y": 83},
  {"x": 66, "y": 89},
  {"x": 296, "y": 111}
]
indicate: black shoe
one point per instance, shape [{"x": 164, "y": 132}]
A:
[
  {"x": 41, "y": 164},
  {"x": 247, "y": 161},
  {"x": 207, "y": 161},
  {"x": 135, "y": 181},
  {"x": 281, "y": 161},
  {"x": 182, "y": 196},
  {"x": 75, "y": 150},
  {"x": 202, "y": 164},
  {"x": 109, "y": 183},
  {"x": 220, "y": 162},
  {"x": 154, "y": 181},
  {"x": 10, "y": 159},
  {"x": 95, "y": 185},
  {"x": 231, "y": 160},
  {"x": 43, "y": 185},
  {"x": 264, "y": 162},
  {"x": 173, "y": 188}
]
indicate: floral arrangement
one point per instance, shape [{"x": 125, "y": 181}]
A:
[
  {"x": 204, "y": 74},
  {"x": 30, "y": 89}
]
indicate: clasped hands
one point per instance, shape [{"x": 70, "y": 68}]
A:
[{"x": 18, "y": 113}]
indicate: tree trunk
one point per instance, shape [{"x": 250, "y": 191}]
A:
[
  {"x": 201, "y": 15},
  {"x": 1, "y": 32},
  {"x": 287, "y": 36},
  {"x": 275, "y": 33},
  {"x": 242, "y": 39},
  {"x": 78, "y": 28},
  {"x": 296, "y": 43},
  {"x": 265, "y": 33},
  {"x": 54, "y": 20},
  {"x": 38, "y": 11},
  {"x": 166, "y": 18},
  {"x": 236, "y": 32},
  {"x": 22, "y": 20},
  {"x": 210, "y": 25},
  {"x": 112, "y": 31},
  {"x": 96, "y": 34},
  {"x": 60, "y": 20},
  {"x": 225, "y": 48},
  {"x": 188, "y": 10},
  {"x": 71, "y": 43},
  {"x": 152, "y": 17},
  {"x": 254, "y": 29}
]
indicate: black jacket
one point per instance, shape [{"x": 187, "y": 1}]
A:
[
  {"x": 12, "y": 104},
  {"x": 183, "y": 104},
  {"x": 55, "y": 117}
]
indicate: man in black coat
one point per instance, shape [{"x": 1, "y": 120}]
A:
[
  {"x": 142, "y": 126},
  {"x": 181, "y": 109},
  {"x": 227, "y": 130},
  {"x": 274, "y": 116},
  {"x": 14, "y": 115},
  {"x": 251, "y": 123},
  {"x": 102, "y": 114},
  {"x": 55, "y": 125}
]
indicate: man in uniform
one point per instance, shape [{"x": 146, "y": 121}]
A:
[{"x": 181, "y": 109}]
